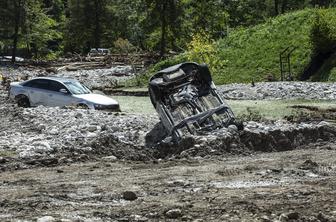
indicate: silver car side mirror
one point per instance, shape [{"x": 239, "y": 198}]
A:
[{"x": 63, "y": 91}]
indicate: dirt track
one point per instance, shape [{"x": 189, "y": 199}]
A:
[{"x": 298, "y": 185}]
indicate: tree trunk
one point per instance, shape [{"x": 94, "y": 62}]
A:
[
  {"x": 283, "y": 6},
  {"x": 97, "y": 31},
  {"x": 163, "y": 29},
  {"x": 276, "y": 7},
  {"x": 17, "y": 18}
]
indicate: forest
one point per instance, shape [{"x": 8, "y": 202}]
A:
[{"x": 48, "y": 29}]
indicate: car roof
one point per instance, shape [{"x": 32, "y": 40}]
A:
[{"x": 56, "y": 78}]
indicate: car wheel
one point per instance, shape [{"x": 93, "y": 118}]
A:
[
  {"x": 82, "y": 106},
  {"x": 23, "y": 101}
]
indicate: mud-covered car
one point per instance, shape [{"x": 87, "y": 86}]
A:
[
  {"x": 59, "y": 91},
  {"x": 187, "y": 100}
]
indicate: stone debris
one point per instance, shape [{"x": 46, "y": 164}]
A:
[
  {"x": 46, "y": 219},
  {"x": 43, "y": 132},
  {"x": 95, "y": 78},
  {"x": 280, "y": 90},
  {"x": 129, "y": 195},
  {"x": 174, "y": 213}
]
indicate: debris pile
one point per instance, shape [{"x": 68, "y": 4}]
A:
[
  {"x": 47, "y": 132},
  {"x": 280, "y": 90},
  {"x": 94, "y": 79},
  {"x": 265, "y": 137}
]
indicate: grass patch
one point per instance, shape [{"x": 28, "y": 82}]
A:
[
  {"x": 135, "y": 104},
  {"x": 7, "y": 153},
  {"x": 272, "y": 110}
]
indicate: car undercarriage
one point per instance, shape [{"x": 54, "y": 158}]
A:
[{"x": 187, "y": 101}]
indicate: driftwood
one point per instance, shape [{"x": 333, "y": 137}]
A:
[{"x": 78, "y": 62}]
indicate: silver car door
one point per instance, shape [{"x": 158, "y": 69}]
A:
[
  {"x": 57, "y": 98},
  {"x": 37, "y": 92}
]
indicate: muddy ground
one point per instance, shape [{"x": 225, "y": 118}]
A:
[{"x": 63, "y": 164}]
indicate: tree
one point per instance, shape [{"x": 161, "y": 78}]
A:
[
  {"x": 164, "y": 14},
  {"x": 38, "y": 28}
]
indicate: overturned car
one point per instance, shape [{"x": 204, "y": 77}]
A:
[{"x": 187, "y": 101}]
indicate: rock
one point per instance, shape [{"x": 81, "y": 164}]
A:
[
  {"x": 79, "y": 115},
  {"x": 283, "y": 218},
  {"x": 289, "y": 216},
  {"x": 42, "y": 146},
  {"x": 91, "y": 135},
  {"x": 110, "y": 158},
  {"x": 186, "y": 218},
  {"x": 308, "y": 165},
  {"x": 174, "y": 213},
  {"x": 233, "y": 129},
  {"x": 46, "y": 219},
  {"x": 293, "y": 216},
  {"x": 2, "y": 160},
  {"x": 129, "y": 195},
  {"x": 91, "y": 128},
  {"x": 265, "y": 218},
  {"x": 322, "y": 217},
  {"x": 138, "y": 218}
]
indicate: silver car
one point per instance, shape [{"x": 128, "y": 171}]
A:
[{"x": 58, "y": 91}]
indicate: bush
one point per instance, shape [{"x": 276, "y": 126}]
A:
[
  {"x": 123, "y": 46},
  {"x": 323, "y": 33},
  {"x": 332, "y": 76}
]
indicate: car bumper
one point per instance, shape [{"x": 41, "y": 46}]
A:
[{"x": 113, "y": 108}]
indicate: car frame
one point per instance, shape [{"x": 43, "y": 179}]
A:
[
  {"x": 58, "y": 91},
  {"x": 187, "y": 101}
]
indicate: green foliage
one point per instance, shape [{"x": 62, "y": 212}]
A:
[
  {"x": 332, "y": 76},
  {"x": 323, "y": 34},
  {"x": 39, "y": 29},
  {"x": 201, "y": 50},
  {"x": 325, "y": 73},
  {"x": 253, "y": 53},
  {"x": 43, "y": 28},
  {"x": 123, "y": 46}
]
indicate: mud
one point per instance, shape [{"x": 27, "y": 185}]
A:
[
  {"x": 64, "y": 164},
  {"x": 262, "y": 187}
]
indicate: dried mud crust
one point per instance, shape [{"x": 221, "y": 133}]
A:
[{"x": 283, "y": 186}]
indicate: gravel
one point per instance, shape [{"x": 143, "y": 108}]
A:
[
  {"x": 45, "y": 132},
  {"x": 280, "y": 90}
]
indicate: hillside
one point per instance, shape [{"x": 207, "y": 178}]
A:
[{"x": 253, "y": 53}]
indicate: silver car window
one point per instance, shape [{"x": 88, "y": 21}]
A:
[
  {"x": 38, "y": 83},
  {"x": 76, "y": 88},
  {"x": 55, "y": 86}
]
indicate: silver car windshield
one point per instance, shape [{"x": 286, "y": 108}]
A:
[{"x": 76, "y": 88}]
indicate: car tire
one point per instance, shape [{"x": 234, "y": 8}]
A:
[
  {"x": 82, "y": 106},
  {"x": 23, "y": 101}
]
